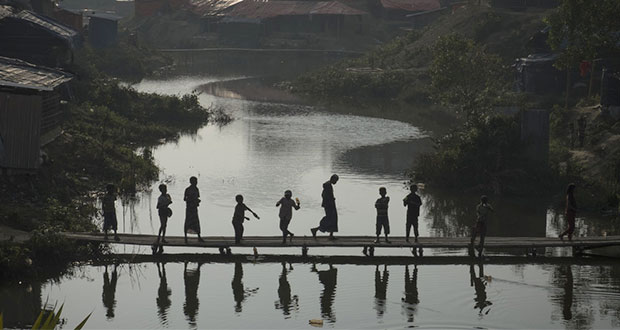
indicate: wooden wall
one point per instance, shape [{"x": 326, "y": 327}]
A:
[{"x": 20, "y": 130}]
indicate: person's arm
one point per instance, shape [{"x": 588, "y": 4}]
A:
[
  {"x": 296, "y": 206},
  {"x": 254, "y": 213},
  {"x": 279, "y": 202}
]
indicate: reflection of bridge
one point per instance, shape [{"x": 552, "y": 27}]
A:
[{"x": 530, "y": 244}]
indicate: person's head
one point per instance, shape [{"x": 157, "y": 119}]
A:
[
  {"x": 413, "y": 188},
  {"x": 382, "y": 191},
  {"x": 193, "y": 181},
  {"x": 239, "y": 198},
  {"x": 163, "y": 188},
  {"x": 288, "y": 194},
  {"x": 570, "y": 189},
  {"x": 484, "y": 199},
  {"x": 334, "y": 178},
  {"x": 110, "y": 189}
]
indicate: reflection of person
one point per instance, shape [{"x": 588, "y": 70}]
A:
[
  {"x": 237, "y": 287},
  {"x": 479, "y": 284},
  {"x": 329, "y": 223},
  {"x": 109, "y": 212},
  {"x": 192, "y": 200},
  {"x": 164, "y": 212},
  {"x": 482, "y": 211},
  {"x": 568, "y": 292},
  {"x": 381, "y": 290},
  {"x": 411, "y": 301},
  {"x": 109, "y": 292},
  {"x": 328, "y": 279},
  {"x": 239, "y": 216},
  {"x": 413, "y": 203},
  {"x": 192, "y": 280},
  {"x": 163, "y": 295},
  {"x": 570, "y": 213},
  {"x": 284, "y": 293},
  {"x": 382, "y": 215},
  {"x": 286, "y": 205}
]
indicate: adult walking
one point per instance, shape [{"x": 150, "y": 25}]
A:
[
  {"x": 192, "y": 200},
  {"x": 329, "y": 223},
  {"x": 480, "y": 228},
  {"x": 570, "y": 212}
]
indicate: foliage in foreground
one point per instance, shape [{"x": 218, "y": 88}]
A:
[{"x": 51, "y": 321}]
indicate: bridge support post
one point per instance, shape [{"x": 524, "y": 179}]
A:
[{"x": 304, "y": 251}]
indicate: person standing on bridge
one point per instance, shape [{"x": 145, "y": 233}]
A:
[
  {"x": 482, "y": 210},
  {"x": 164, "y": 212},
  {"x": 382, "y": 215},
  {"x": 239, "y": 216},
  {"x": 329, "y": 223},
  {"x": 192, "y": 200},
  {"x": 570, "y": 212},
  {"x": 286, "y": 205},
  {"x": 109, "y": 212},
  {"x": 412, "y": 202}
]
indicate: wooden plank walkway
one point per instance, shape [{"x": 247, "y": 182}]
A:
[{"x": 355, "y": 241}]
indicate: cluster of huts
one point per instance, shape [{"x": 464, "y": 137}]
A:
[{"x": 37, "y": 44}]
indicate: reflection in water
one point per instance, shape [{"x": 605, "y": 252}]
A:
[
  {"x": 163, "y": 295},
  {"x": 568, "y": 292},
  {"x": 328, "y": 279},
  {"x": 479, "y": 283},
  {"x": 109, "y": 292},
  {"x": 20, "y": 304},
  {"x": 239, "y": 291},
  {"x": 381, "y": 283},
  {"x": 411, "y": 300},
  {"x": 192, "y": 280},
  {"x": 286, "y": 303}
]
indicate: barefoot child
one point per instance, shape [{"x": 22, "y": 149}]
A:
[
  {"x": 382, "y": 214},
  {"x": 286, "y": 213},
  {"x": 164, "y": 212},
  {"x": 109, "y": 212},
  {"x": 238, "y": 218}
]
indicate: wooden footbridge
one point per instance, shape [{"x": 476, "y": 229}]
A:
[{"x": 224, "y": 244}]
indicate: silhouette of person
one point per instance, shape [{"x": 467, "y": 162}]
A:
[
  {"x": 286, "y": 205},
  {"x": 329, "y": 223},
  {"x": 383, "y": 221},
  {"x": 109, "y": 212},
  {"x": 570, "y": 212},
  {"x": 239, "y": 216},
  {"x": 192, "y": 200},
  {"x": 192, "y": 280},
  {"x": 412, "y": 202},
  {"x": 163, "y": 295},
  {"x": 411, "y": 301},
  {"x": 163, "y": 211},
  {"x": 479, "y": 284},
  {"x": 286, "y": 302},
  {"x": 381, "y": 290},
  {"x": 567, "y": 300},
  {"x": 482, "y": 211},
  {"x": 328, "y": 279},
  {"x": 109, "y": 292}
]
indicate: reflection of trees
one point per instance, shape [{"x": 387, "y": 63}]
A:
[
  {"x": 163, "y": 295},
  {"x": 585, "y": 224},
  {"x": 109, "y": 292},
  {"x": 381, "y": 283},
  {"x": 20, "y": 304},
  {"x": 286, "y": 303},
  {"x": 239, "y": 291},
  {"x": 411, "y": 300},
  {"x": 479, "y": 283},
  {"x": 328, "y": 279},
  {"x": 192, "y": 280}
]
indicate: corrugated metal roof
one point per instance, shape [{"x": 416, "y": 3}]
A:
[
  {"x": 19, "y": 74},
  {"x": 46, "y": 23},
  {"x": 211, "y": 7},
  {"x": 270, "y": 9},
  {"x": 411, "y": 5},
  {"x": 106, "y": 16}
]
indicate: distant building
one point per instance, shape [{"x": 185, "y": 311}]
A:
[
  {"x": 536, "y": 74},
  {"x": 211, "y": 12},
  {"x": 30, "y": 112},
  {"x": 35, "y": 38},
  {"x": 399, "y": 9},
  {"x": 70, "y": 18},
  {"x": 147, "y": 8},
  {"x": 102, "y": 29},
  {"x": 124, "y": 8}
]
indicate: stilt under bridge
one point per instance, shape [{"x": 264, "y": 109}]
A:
[{"x": 224, "y": 244}]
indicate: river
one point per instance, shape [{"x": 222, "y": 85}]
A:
[{"x": 271, "y": 147}]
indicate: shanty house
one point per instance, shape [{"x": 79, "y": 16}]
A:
[
  {"x": 35, "y": 38},
  {"x": 30, "y": 112},
  {"x": 399, "y": 9},
  {"x": 536, "y": 74},
  {"x": 102, "y": 29},
  {"x": 212, "y": 12},
  {"x": 70, "y": 18}
]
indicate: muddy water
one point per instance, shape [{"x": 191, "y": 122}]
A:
[{"x": 271, "y": 147}]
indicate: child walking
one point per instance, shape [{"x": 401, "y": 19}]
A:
[
  {"x": 286, "y": 205},
  {"x": 109, "y": 212},
  {"x": 239, "y": 217},
  {"x": 164, "y": 212},
  {"x": 382, "y": 214}
]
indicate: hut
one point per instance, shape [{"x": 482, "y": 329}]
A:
[
  {"x": 30, "y": 112},
  {"x": 70, "y": 18},
  {"x": 212, "y": 12},
  {"x": 536, "y": 74},
  {"x": 35, "y": 38},
  {"x": 397, "y": 10},
  {"x": 102, "y": 29}
]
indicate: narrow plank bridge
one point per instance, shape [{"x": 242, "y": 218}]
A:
[{"x": 224, "y": 244}]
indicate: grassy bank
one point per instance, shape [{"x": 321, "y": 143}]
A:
[{"x": 106, "y": 138}]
